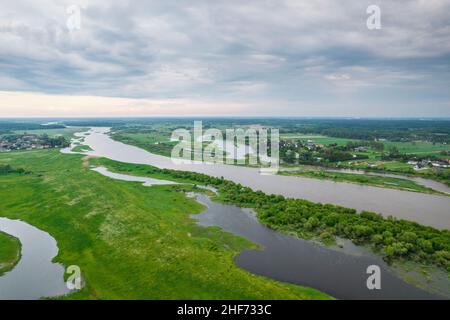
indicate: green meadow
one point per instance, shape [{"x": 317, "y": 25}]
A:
[
  {"x": 130, "y": 241},
  {"x": 415, "y": 147}
]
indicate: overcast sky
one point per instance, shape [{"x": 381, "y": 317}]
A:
[{"x": 266, "y": 57}]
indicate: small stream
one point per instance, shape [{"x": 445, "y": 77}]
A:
[{"x": 35, "y": 276}]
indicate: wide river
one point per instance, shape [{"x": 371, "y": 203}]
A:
[{"x": 427, "y": 209}]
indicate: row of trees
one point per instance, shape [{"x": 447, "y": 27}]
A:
[{"x": 7, "y": 169}]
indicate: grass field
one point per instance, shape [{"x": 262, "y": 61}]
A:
[
  {"x": 417, "y": 147},
  {"x": 9, "y": 252},
  {"x": 81, "y": 148},
  {"x": 365, "y": 179},
  {"x": 130, "y": 241}
]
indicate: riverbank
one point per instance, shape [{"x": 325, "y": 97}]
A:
[
  {"x": 364, "y": 179},
  {"x": 130, "y": 241},
  {"x": 10, "y": 249}
]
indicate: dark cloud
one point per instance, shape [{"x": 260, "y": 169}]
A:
[{"x": 312, "y": 54}]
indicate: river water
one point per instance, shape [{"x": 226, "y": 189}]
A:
[
  {"x": 35, "y": 276},
  {"x": 427, "y": 209}
]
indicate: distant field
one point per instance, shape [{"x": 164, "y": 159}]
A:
[
  {"x": 146, "y": 137},
  {"x": 365, "y": 179},
  {"x": 65, "y": 132},
  {"x": 417, "y": 147}
]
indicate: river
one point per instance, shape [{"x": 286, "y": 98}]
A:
[{"x": 426, "y": 209}]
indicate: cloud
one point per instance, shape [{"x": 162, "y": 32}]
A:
[{"x": 286, "y": 51}]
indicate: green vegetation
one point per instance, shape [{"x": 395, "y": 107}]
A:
[
  {"x": 130, "y": 241},
  {"x": 53, "y": 132},
  {"x": 9, "y": 252},
  {"x": 154, "y": 143},
  {"x": 415, "y": 158},
  {"x": 9, "y": 126},
  {"x": 366, "y": 179},
  {"x": 81, "y": 148},
  {"x": 396, "y": 240},
  {"x": 27, "y": 141}
]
